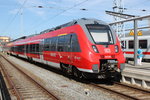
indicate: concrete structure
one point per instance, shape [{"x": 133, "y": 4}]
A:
[
  {"x": 3, "y": 41},
  {"x": 137, "y": 75},
  {"x": 135, "y": 25}
]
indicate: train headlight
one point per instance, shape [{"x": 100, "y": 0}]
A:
[
  {"x": 116, "y": 48},
  {"x": 95, "y": 49}
]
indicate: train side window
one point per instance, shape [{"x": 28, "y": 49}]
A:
[
  {"x": 131, "y": 44},
  {"x": 37, "y": 48},
  {"x": 31, "y": 48},
  {"x": 53, "y": 43},
  {"x": 11, "y": 48},
  {"x": 143, "y": 44},
  {"x": 27, "y": 48},
  {"x": 123, "y": 44},
  {"x": 75, "y": 44},
  {"x": 47, "y": 44},
  {"x": 20, "y": 48},
  {"x": 61, "y": 41},
  {"x": 67, "y": 44},
  {"x": 41, "y": 46},
  {"x": 16, "y": 48}
]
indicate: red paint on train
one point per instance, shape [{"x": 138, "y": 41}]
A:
[{"x": 85, "y": 60}]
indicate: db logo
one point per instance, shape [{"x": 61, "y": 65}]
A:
[{"x": 107, "y": 50}]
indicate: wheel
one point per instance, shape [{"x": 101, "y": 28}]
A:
[
  {"x": 77, "y": 73},
  {"x": 63, "y": 68}
]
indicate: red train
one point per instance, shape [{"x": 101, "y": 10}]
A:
[{"x": 83, "y": 48}]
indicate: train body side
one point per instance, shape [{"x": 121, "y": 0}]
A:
[
  {"x": 73, "y": 46},
  {"x": 143, "y": 43}
]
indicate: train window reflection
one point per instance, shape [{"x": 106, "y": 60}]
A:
[
  {"x": 143, "y": 44},
  {"x": 123, "y": 44},
  {"x": 101, "y": 34},
  {"x": 131, "y": 44}
]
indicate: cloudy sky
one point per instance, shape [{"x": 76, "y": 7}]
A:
[{"x": 25, "y": 17}]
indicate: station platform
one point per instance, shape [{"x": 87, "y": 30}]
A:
[{"x": 137, "y": 75}]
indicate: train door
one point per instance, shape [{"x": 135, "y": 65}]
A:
[
  {"x": 73, "y": 48},
  {"x": 69, "y": 49},
  {"x": 64, "y": 49},
  {"x": 41, "y": 45},
  {"x": 25, "y": 50}
]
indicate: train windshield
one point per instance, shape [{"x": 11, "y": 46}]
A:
[{"x": 101, "y": 34}]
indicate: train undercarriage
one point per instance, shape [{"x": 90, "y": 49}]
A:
[{"x": 108, "y": 70}]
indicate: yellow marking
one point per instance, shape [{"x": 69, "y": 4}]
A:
[
  {"x": 131, "y": 32},
  {"x": 62, "y": 34},
  {"x": 139, "y": 33}
]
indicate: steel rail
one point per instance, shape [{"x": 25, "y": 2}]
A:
[
  {"x": 39, "y": 85},
  {"x": 10, "y": 82},
  {"x": 133, "y": 87},
  {"x": 115, "y": 92}
]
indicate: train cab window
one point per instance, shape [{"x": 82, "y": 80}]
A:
[
  {"x": 131, "y": 44},
  {"x": 61, "y": 41},
  {"x": 143, "y": 44},
  {"x": 101, "y": 34},
  {"x": 75, "y": 44},
  {"x": 123, "y": 44}
]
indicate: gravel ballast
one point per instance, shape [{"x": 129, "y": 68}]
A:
[{"x": 63, "y": 87}]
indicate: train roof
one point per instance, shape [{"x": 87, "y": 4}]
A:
[
  {"x": 79, "y": 21},
  {"x": 82, "y": 22}
]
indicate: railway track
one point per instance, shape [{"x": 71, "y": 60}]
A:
[
  {"x": 125, "y": 91},
  {"x": 22, "y": 86}
]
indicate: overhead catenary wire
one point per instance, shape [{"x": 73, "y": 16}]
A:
[
  {"x": 65, "y": 10},
  {"x": 9, "y": 24},
  {"x": 132, "y": 8}
]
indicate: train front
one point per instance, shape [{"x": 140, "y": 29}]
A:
[{"x": 105, "y": 56}]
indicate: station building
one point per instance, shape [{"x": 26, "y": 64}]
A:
[{"x": 3, "y": 41}]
